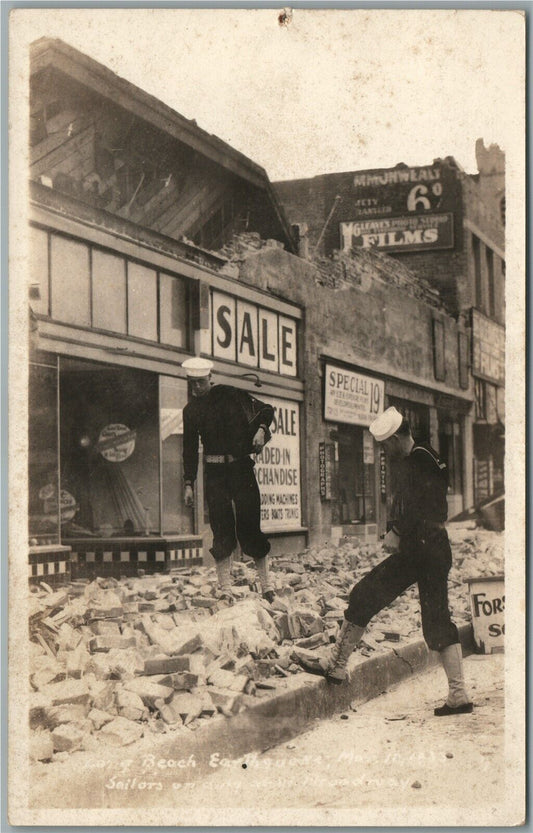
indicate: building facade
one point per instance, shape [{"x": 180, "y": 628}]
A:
[
  {"x": 448, "y": 228},
  {"x": 124, "y": 194}
]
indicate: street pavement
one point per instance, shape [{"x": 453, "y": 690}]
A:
[{"x": 386, "y": 753}]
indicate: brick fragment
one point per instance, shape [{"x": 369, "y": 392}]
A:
[
  {"x": 184, "y": 706},
  {"x": 121, "y": 732},
  {"x": 69, "y": 691},
  {"x": 167, "y": 665},
  {"x": 104, "y": 627},
  {"x": 104, "y": 613},
  {"x": 220, "y": 678},
  {"x": 182, "y": 681},
  {"x": 102, "y": 694},
  {"x": 108, "y": 643}
]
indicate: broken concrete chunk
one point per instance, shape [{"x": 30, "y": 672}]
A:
[
  {"x": 121, "y": 732},
  {"x": 130, "y": 705},
  {"x": 149, "y": 691},
  {"x": 167, "y": 665},
  {"x": 99, "y": 718},
  {"x": 58, "y": 715},
  {"x": 227, "y": 702},
  {"x": 67, "y": 738}
]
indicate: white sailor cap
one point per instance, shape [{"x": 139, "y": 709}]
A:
[
  {"x": 197, "y": 368},
  {"x": 386, "y": 424}
]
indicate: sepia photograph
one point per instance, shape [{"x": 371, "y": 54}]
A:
[{"x": 267, "y": 285}]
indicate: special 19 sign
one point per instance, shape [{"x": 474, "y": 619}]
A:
[{"x": 351, "y": 397}]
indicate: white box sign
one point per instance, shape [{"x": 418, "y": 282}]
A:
[
  {"x": 351, "y": 397},
  {"x": 278, "y": 469},
  {"x": 254, "y": 336}
]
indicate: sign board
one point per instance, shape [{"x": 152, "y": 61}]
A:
[
  {"x": 352, "y": 397},
  {"x": 116, "y": 442},
  {"x": 399, "y": 234},
  {"x": 326, "y": 457},
  {"x": 252, "y": 335},
  {"x": 488, "y": 348},
  {"x": 278, "y": 469},
  {"x": 382, "y": 475},
  {"x": 487, "y": 601}
]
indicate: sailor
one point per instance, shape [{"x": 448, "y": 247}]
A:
[
  {"x": 420, "y": 552},
  {"x": 232, "y": 425}
]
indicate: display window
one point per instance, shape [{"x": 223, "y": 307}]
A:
[
  {"x": 43, "y": 473},
  {"x": 451, "y": 450},
  {"x": 356, "y": 475}
]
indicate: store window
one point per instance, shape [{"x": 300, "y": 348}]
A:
[
  {"x": 176, "y": 517},
  {"x": 43, "y": 476},
  {"x": 109, "y": 428},
  {"x": 356, "y": 475},
  {"x": 39, "y": 290},
  {"x": 108, "y": 291},
  {"x": 70, "y": 274},
  {"x": 173, "y": 308},
  {"x": 142, "y": 302}
]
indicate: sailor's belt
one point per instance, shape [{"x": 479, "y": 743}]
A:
[{"x": 220, "y": 458}]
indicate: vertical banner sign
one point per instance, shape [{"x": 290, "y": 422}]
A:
[
  {"x": 382, "y": 475},
  {"x": 278, "y": 469},
  {"x": 322, "y": 470},
  {"x": 326, "y": 453}
]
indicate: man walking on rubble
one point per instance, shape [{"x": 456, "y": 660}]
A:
[
  {"x": 232, "y": 424},
  {"x": 421, "y": 553}
]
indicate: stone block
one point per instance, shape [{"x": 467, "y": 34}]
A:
[
  {"x": 220, "y": 678},
  {"x": 94, "y": 613},
  {"x": 41, "y": 746},
  {"x": 68, "y": 713},
  {"x": 121, "y": 732},
  {"x": 186, "y": 706}
]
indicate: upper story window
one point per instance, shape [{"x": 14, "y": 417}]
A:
[
  {"x": 88, "y": 286},
  {"x": 478, "y": 282}
]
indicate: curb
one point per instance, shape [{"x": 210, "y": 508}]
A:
[{"x": 267, "y": 723}]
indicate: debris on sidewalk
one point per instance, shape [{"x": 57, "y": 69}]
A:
[{"x": 113, "y": 660}]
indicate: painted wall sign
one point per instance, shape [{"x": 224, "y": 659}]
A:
[
  {"x": 326, "y": 456},
  {"x": 253, "y": 335},
  {"x": 407, "y": 233},
  {"x": 382, "y": 475},
  {"x": 116, "y": 442},
  {"x": 351, "y": 397},
  {"x": 488, "y": 348},
  {"x": 278, "y": 469}
]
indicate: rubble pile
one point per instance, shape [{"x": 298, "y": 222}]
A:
[{"x": 113, "y": 660}]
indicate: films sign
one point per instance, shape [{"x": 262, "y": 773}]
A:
[
  {"x": 407, "y": 233},
  {"x": 351, "y": 397},
  {"x": 277, "y": 469}
]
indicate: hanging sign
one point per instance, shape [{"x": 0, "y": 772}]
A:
[
  {"x": 351, "y": 397},
  {"x": 326, "y": 454},
  {"x": 116, "y": 442},
  {"x": 278, "y": 469},
  {"x": 382, "y": 474}
]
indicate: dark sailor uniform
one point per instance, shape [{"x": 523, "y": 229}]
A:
[
  {"x": 226, "y": 419},
  {"x": 424, "y": 555}
]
